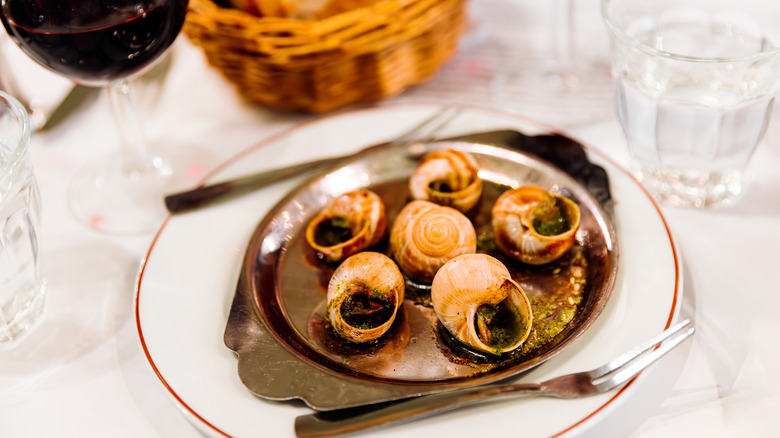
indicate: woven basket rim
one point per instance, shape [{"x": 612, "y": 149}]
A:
[
  {"x": 370, "y": 29},
  {"x": 382, "y": 8}
]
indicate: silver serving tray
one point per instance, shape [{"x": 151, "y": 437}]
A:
[{"x": 276, "y": 324}]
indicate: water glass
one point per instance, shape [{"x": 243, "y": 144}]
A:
[
  {"x": 695, "y": 84},
  {"x": 21, "y": 289}
]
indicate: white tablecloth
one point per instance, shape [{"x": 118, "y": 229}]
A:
[{"x": 82, "y": 373}]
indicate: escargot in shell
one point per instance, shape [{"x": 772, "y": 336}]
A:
[
  {"x": 533, "y": 225},
  {"x": 477, "y": 301},
  {"x": 425, "y": 235},
  {"x": 447, "y": 177},
  {"x": 351, "y": 223},
  {"x": 364, "y": 295}
]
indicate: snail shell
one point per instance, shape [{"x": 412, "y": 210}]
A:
[
  {"x": 447, "y": 177},
  {"x": 364, "y": 295},
  {"x": 477, "y": 301},
  {"x": 533, "y": 225},
  {"x": 351, "y": 223},
  {"x": 426, "y": 235}
]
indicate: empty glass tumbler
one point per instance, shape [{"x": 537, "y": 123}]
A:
[{"x": 21, "y": 288}]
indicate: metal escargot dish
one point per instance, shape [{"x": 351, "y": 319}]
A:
[
  {"x": 425, "y": 236},
  {"x": 364, "y": 295},
  {"x": 533, "y": 225},
  {"x": 364, "y": 331},
  {"x": 351, "y": 223},
  {"x": 447, "y": 177},
  {"x": 477, "y": 301}
]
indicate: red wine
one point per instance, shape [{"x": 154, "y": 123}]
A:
[{"x": 94, "y": 41}]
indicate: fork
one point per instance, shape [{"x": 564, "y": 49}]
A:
[
  {"x": 204, "y": 195},
  {"x": 602, "y": 379}
]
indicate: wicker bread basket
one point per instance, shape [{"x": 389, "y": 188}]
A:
[{"x": 363, "y": 55}]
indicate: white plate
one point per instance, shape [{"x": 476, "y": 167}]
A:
[{"x": 188, "y": 280}]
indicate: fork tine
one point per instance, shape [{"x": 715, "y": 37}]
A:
[
  {"x": 627, "y": 357},
  {"x": 625, "y": 373},
  {"x": 426, "y": 129}
]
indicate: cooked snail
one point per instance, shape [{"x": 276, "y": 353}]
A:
[
  {"x": 351, "y": 223},
  {"x": 477, "y": 301},
  {"x": 364, "y": 295},
  {"x": 426, "y": 235},
  {"x": 447, "y": 177},
  {"x": 533, "y": 225}
]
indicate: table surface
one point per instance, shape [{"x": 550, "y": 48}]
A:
[{"x": 82, "y": 372}]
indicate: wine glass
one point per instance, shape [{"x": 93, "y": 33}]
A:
[
  {"x": 545, "y": 60},
  {"x": 107, "y": 43},
  {"x": 578, "y": 74},
  {"x": 563, "y": 81}
]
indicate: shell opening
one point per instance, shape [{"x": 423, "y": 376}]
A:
[
  {"x": 501, "y": 325},
  {"x": 364, "y": 308},
  {"x": 551, "y": 217},
  {"x": 449, "y": 183},
  {"x": 442, "y": 186},
  {"x": 332, "y": 231}
]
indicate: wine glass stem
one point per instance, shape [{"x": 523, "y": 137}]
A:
[
  {"x": 121, "y": 97},
  {"x": 563, "y": 34}
]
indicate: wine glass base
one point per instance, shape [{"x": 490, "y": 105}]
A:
[
  {"x": 84, "y": 308},
  {"x": 563, "y": 97},
  {"x": 114, "y": 196}
]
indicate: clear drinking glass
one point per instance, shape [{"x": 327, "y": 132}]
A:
[
  {"x": 106, "y": 43},
  {"x": 695, "y": 86},
  {"x": 21, "y": 289}
]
